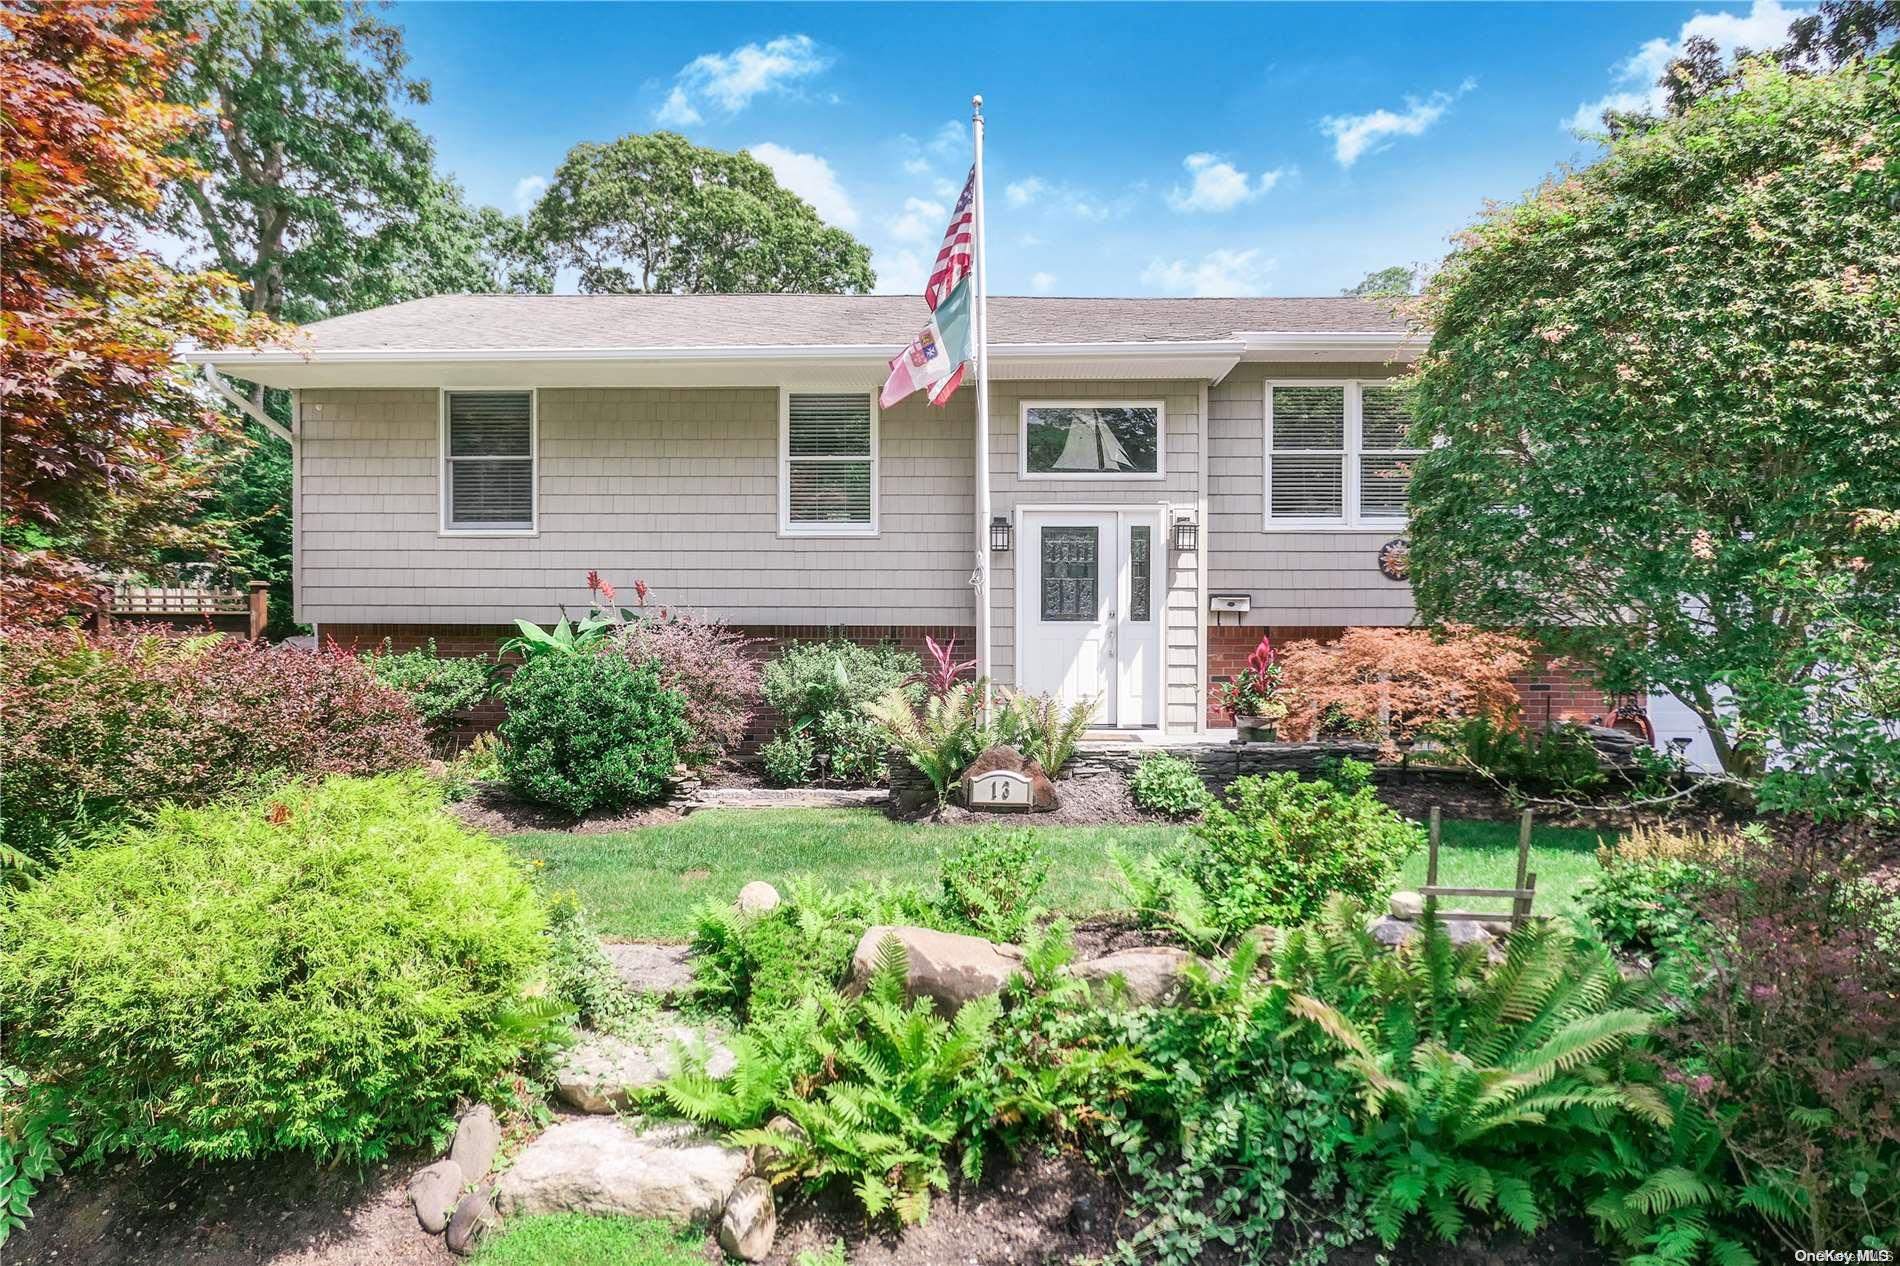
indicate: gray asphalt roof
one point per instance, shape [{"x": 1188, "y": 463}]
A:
[{"x": 531, "y": 322}]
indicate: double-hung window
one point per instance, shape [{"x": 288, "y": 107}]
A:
[
  {"x": 828, "y": 464},
  {"x": 488, "y": 459},
  {"x": 1337, "y": 455}
]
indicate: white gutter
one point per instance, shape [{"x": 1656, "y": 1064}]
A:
[
  {"x": 756, "y": 352},
  {"x": 1381, "y": 344},
  {"x": 251, "y": 411}
]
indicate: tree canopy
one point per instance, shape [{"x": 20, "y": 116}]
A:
[
  {"x": 1666, "y": 394},
  {"x": 107, "y": 452},
  {"x": 658, "y": 213},
  {"x": 1396, "y": 281}
]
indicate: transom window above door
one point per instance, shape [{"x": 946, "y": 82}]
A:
[
  {"x": 828, "y": 464},
  {"x": 1093, "y": 440},
  {"x": 1337, "y": 455}
]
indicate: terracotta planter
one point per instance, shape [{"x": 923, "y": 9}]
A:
[{"x": 1256, "y": 729}]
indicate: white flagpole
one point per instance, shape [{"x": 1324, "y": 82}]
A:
[{"x": 980, "y": 578}]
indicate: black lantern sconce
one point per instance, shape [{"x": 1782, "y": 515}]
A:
[
  {"x": 1187, "y": 535},
  {"x": 999, "y": 535}
]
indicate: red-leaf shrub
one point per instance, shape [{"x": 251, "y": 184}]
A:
[
  {"x": 98, "y": 725},
  {"x": 1395, "y": 682},
  {"x": 1791, "y": 1038},
  {"x": 706, "y": 662}
]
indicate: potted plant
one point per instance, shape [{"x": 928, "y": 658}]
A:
[{"x": 1254, "y": 697}]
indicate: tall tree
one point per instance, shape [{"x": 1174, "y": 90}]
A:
[
  {"x": 1665, "y": 393},
  {"x": 1396, "y": 282},
  {"x": 106, "y": 451},
  {"x": 658, "y": 213}
]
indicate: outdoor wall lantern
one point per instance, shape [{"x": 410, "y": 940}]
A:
[
  {"x": 999, "y": 534},
  {"x": 1187, "y": 536}
]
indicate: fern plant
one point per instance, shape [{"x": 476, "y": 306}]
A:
[
  {"x": 940, "y": 736},
  {"x": 872, "y": 1083},
  {"x": 1472, "y": 1078},
  {"x": 1043, "y": 729}
]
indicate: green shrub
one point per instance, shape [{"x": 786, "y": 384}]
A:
[
  {"x": 1480, "y": 1088},
  {"x": 331, "y": 970},
  {"x": 443, "y": 687},
  {"x": 1558, "y": 761},
  {"x": 808, "y": 680},
  {"x": 1647, "y": 896},
  {"x": 1275, "y": 852},
  {"x": 590, "y": 731},
  {"x": 788, "y": 759},
  {"x": 991, "y": 884},
  {"x": 1170, "y": 785},
  {"x": 581, "y": 974}
]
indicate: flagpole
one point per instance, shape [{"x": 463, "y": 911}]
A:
[{"x": 981, "y": 576}]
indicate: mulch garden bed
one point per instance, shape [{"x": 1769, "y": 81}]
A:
[
  {"x": 1099, "y": 799},
  {"x": 493, "y": 809}
]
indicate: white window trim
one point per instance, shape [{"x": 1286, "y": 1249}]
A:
[
  {"x": 443, "y": 526},
  {"x": 859, "y": 531},
  {"x": 1023, "y": 474},
  {"x": 1352, "y": 520}
]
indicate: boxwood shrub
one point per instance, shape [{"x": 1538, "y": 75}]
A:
[
  {"x": 329, "y": 969},
  {"x": 591, "y": 731}
]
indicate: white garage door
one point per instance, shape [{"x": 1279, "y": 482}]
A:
[{"x": 1672, "y": 718}]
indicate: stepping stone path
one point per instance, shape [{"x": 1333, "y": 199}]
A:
[
  {"x": 1153, "y": 974},
  {"x": 605, "y": 1165},
  {"x": 662, "y": 970},
  {"x": 598, "y": 1073},
  {"x": 787, "y": 798}
]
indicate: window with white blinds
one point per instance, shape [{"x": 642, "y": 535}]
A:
[
  {"x": 828, "y": 464},
  {"x": 1336, "y": 455},
  {"x": 488, "y": 448}
]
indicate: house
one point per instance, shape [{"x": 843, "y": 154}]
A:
[{"x": 1170, "y": 477}]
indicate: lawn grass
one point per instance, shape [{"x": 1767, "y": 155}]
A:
[
  {"x": 581, "y": 1239},
  {"x": 643, "y": 884}
]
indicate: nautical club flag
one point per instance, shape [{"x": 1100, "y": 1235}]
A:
[{"x": 936, "y": 358}]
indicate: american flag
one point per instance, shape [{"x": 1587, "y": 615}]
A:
[{"x": 953, "y": 258}]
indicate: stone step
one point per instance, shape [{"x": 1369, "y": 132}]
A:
[
  {"x": 647, "y": 968},
  {"x": 599, "y": 1072},
  {"x": 608, "y": 1166}
]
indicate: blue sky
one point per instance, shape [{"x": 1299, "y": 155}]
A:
[{"x": 1132, "y": 149}]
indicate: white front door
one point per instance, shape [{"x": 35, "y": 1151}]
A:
[{"x": 1088, "y": 606}]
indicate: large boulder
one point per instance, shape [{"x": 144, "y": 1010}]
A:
[
  {"x": 1152, "y": 973},
  {"x": 605, "y": 1165},
  {"x": 945, "y": 967},
  {"x": 598, "y": 1073},
  {"x": 1390, "y": 931},
  {"x": 1042, "y": 791}
]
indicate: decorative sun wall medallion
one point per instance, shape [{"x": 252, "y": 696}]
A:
[{"x": 1395, "y": 559}]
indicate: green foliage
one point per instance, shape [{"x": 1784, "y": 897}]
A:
[
  {"x": 590, "y": 731},
  {"x": 588, "y": 1239},
  {"x": 581, "y": 975},
  {"x": 820, "y": 689},
  {"x": 330, "y": 970},
  {"x": 991, "y": 885},
  {"x": 655, "y": 212},
  {"x": 1669, "y": 1197},
  {"x": 1477, "y": 1086},
  {"x": 831, "y": 1256},
  {"x": 763, "y": 965},
  {"x": 31, "y": 1145},
  {"x": 876, "y": 1101},
  {"x": 940, "y": 736},
  {"x": 1274, "y": 853},
  {"x": 1560, "y": 760},
  {"x": 1040, "y": 727},
  {"x": 444, "y": 687},
  {"x": 1662, "y": 383},
  {"x": 577, "y": 637},
  {"x": 1170, "y": 785},
  {"x": 1646, "y": 896},
  {"x": 788, "y": 759}
]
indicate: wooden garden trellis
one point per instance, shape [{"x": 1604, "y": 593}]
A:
[{"x": 1520, "y": 896}]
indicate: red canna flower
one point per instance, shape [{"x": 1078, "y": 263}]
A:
[
  {"x": 593, "y": 580},
  {"x": 1262, "y": 657},
  {"x": 640, "y": 591},
  {"x": 606, "y": 592}
]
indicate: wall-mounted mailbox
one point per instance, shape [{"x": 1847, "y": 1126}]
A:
[{"x": 1230, "y": 602}]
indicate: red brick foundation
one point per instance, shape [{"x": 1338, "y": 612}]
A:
[
  {"x": 767, "y": 641},
  {"x": 1549, "y": 690}
]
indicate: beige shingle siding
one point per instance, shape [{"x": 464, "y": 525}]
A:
[{"x": 1296, "y": 578}]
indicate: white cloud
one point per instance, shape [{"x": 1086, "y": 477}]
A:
[
  {"x": 920, "y": 221},
  {"x": 811, "y": 178},
  {"x": 1356, "y": 135},
  {"x": 528, "y": 191},
  {"x": 1035, "y": 191},
  {"x": 1220, "y": 272},
  {"x": 729, "y": 81},
  {"x": 900, "y": 272},
  {"x": 1020, "y": 193},
  {"x": 1218, "y": 185},
  {"x": 1042, "y": 283},
  {"x": 1764, "y": 26}
]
